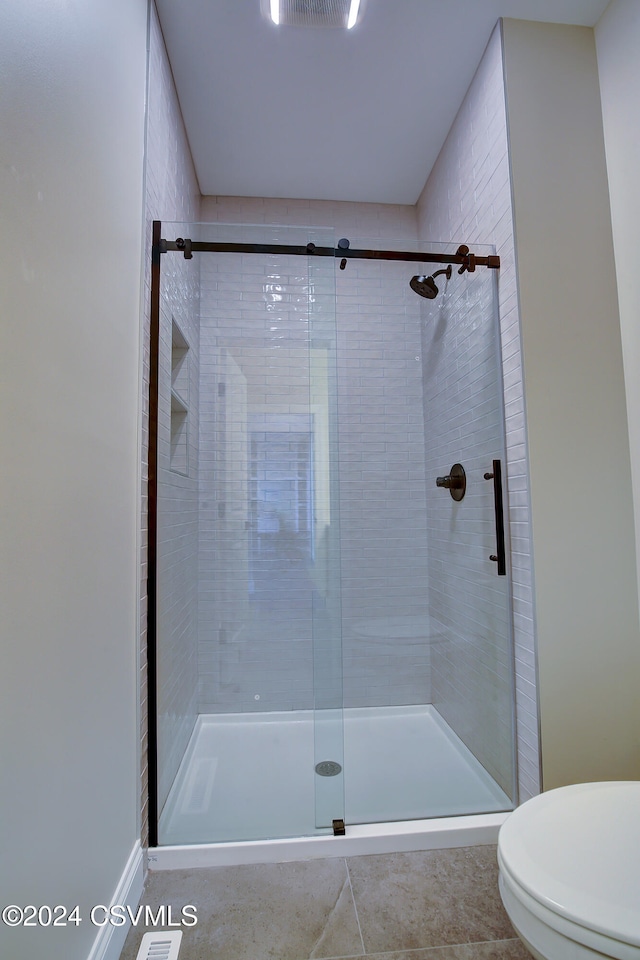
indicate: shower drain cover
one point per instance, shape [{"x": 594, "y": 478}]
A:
[{"x": 328, "y": 768}]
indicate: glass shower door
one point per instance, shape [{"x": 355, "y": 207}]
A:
[
  {"x": 426, "y": 616},
  {"x": 468, "y": 574},
  {"x": 249, "y": 659},
  {"x": 327, "y": 596}
]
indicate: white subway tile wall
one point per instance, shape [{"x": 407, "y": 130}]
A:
[
  {"x": 382, "y": 486},
  {"x": 469, "y": 604},
  {"x": 467, "y": 198},
  {"x": 255, "y": 586},
  {"x": 381, "y": 468},
  {"x": 171, "y": 193},
  {"x": 177, "y": 556}
]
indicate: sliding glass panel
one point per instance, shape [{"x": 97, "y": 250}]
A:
[
  {"x": 326, "y": 567},
  {"x": 426, "y": 618},
  {"x": 469, "y": 576},
  {"x": 268, "y": 602}
]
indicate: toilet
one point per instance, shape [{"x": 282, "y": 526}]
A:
[{"x": 569, "y": 863}]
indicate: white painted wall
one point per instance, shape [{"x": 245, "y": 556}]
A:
[
  {"x": 71, "y": 153},
  {"x": 582, "y": 515},
  {"x": 618, "y": 50}
]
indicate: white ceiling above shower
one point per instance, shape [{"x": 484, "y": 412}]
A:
[{"x": 331, "y": 114}]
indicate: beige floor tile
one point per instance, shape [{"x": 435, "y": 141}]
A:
[
  {"x": 286, "y": 911},
  {"x": 430, "y": 898}
]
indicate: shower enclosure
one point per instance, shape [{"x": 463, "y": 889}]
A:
[{"x": 330, "y": 622}]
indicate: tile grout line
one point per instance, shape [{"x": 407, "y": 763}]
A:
[
  {"x": 355, "y": 907},
  {"x": 443, "y": 946},
  {"x": 426, "y": 950}
]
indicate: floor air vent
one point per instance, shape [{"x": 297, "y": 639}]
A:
[{"x": 160, "y": 945}]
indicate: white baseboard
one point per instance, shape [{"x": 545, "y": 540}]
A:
[{"x": 109, "y": 939}]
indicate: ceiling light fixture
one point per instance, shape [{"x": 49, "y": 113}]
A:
[
  {"x": 313, "y": 13},
  {"x": 353, "y": 13}
]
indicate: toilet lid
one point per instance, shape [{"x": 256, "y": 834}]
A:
[{"x": 576, "y": 850}]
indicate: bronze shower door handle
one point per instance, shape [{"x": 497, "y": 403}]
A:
[{"x": 500, "y": 557}]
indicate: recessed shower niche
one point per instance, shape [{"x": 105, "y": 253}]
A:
[{"x": 178, "y": 455}]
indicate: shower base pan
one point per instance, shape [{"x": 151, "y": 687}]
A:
[{"x": 410, "y": 784}]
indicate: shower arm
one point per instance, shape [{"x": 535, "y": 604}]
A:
[{"x": 467, "y": 261}]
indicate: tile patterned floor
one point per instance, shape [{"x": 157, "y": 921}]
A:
[{"x": 424, "y": 905}]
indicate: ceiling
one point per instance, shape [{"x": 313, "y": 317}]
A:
[{"x": 329, "y": 114}]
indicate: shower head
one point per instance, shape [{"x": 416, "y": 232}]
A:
[{"x": 426, "y": 286}]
